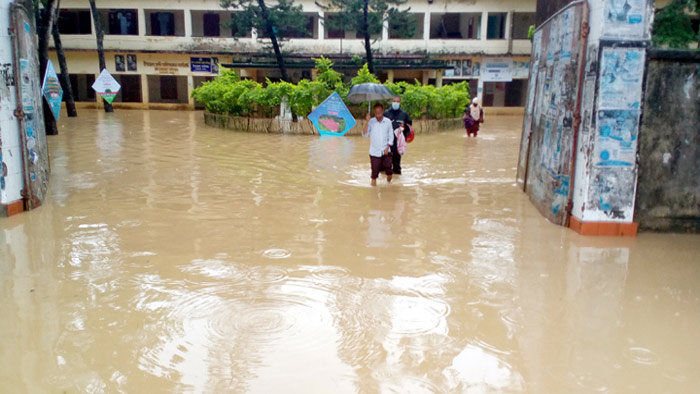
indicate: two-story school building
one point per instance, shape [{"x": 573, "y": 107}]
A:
[{"x": 159, "y": 51}]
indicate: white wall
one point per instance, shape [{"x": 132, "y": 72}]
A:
[{"x": 9, "y": 127}]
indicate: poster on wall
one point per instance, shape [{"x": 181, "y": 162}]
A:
[
  {"x": 131, "y": 64},
  {"x": 119, "y": 63},
  {"x": 622, "y": 71},
  {"x": 521, "y": 69},
  {"x": 332, "y": 117},
  {"x": 625, "y": 19},
  {"x": 52, "y": 91},
  {"x": 496, "y": 69},
  {"x": 616, "y": 145},
  {"x": 106, "y": 86}
]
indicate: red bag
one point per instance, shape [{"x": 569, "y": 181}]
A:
[{"x": 411, "y": 134}]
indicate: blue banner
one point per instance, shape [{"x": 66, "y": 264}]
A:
[
  {"x": 52, "y": 91},
  {"x": 200, "y": 64},
  {"x": 332, "y": 117}
]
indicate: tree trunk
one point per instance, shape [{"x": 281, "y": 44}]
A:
[
  {"x": 44, "y": 32},
  {"x": 272, "y": 35},
  {"x": 365, "y": 31},
  {"x": 100, "y": 46},
  {"x": 63, "y": 76}
]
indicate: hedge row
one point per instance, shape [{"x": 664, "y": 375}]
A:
[{"x": 229, "y": 94}]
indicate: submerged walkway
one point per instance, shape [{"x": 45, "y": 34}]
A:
[{"x": 174, "y": 257}]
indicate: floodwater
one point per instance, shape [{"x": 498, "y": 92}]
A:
[{"x": 172, "y": 257}]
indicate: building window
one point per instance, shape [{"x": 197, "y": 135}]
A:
[
  {"x": 121, "y": 22},
  {"x": 75, "y": 22},
  {"x": 167, "y": 89},
  {"x": 521, "y": 24},
  {"x": 396, "y": 30},
  {"x": 82, "y": 87},
  {"x": 211, "y": 25},
  {"x": 165, "y": 23},
  {"x": 332, "y": 33},
  {"x": 131, "y": 88},
  {"x": 496, "y": 28},
  {"x": 310, "y": 30},
  {"x": 455, "y": 26}
]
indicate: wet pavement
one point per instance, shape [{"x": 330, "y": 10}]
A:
[{"x": 174, "y": 257}]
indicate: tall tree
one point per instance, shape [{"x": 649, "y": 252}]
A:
[
  {"x": 274, "y": 22},
  {"x": 367, "y": 18},
  {"x": 100, "y": 34},
  {"x": 63, "y": 76},
  {"x": 44, "y": 19}
]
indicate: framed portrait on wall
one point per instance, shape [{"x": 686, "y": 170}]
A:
[
  {"x": 131, "y": 63},
  {"x": 119, "y": 63}
]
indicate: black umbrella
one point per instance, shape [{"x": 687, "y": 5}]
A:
[{"x": 369, "y": 92}]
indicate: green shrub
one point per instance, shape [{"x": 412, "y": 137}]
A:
[{"x": 229, "y": 94}]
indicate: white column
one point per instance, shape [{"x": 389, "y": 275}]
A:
[
  {"x": 484, "y": 24},
  {"x": 426, "y": 27},
  {"x": 190, "y": 86},
  {"x": 385, "y": 30},
  {"x": 142, "y": 22},
  {"x": 480, "y": 91},
  {"x": 144, "y": 89},
  {"x": 509, "y": 25},
  {"x": 438, "y": 78},
  {"x": 321, "y": 27},
  {"x": 188, "y": 23}
]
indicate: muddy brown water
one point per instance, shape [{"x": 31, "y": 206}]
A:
[{"x": 171, "y": 257}]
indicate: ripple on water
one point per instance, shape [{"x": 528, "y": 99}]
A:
[
  {"x": 642, "y": 356},
  {"x": 406, "y": 315},
  {"x": 267, "y": 274},
  {"x": 277, "y": 254}
]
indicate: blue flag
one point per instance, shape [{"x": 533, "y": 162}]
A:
[{"x": 332, "y": 117}]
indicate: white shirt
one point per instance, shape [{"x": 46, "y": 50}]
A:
[{"x": 381, "y": 136}]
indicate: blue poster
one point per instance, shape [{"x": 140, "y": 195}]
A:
[
  {"x": 200, "y": 64},
  {"x": 51, "y": 88},
  {"x": 332, "y": 117}
]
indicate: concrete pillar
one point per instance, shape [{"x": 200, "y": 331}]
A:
[
  {"x": 385, "y": 30},
  {"x": 144, "y": 89},
  {"x": 190, "y": 86},
  {"x": 321, "y": 27},
  {"x": 314, "y": 74},
  {"x": 142, "y": 22},
  {"x": 438, "y": 78},
  {"x": 426, "y": 77},
  {"x": 480, "y": 91},
  {"x": 426, "y": 27},
  {"x": 484, "y": 24},
  {"x": 390, "y": 76},
  {"x": 188, "y": 23}
]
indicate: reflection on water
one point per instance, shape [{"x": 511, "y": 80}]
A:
[{"x": 180, "y": 258}]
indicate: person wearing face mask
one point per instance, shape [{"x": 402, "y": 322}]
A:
[{"x": 398, "y": 118}]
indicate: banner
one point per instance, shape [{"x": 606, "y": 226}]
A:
[
  {"x": 106, "y": 86},
  {"x": 332, "y": 117},
  {"x": 494, "y": 69},
  {"x": 52, "y": 91}
]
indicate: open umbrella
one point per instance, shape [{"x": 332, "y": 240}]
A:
[{"x": 369, "y": 92}]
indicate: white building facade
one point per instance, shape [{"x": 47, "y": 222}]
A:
[{"x": 159, "y": 51}]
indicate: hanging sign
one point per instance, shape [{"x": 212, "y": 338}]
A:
[
  {"x": 332, "y": 117},
  {"x": 106, "y": 86},
  {"x": 52, "y": 91}
]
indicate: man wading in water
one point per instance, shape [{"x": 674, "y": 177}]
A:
[
  {"x": 381, "y": 139},
  {"x": 397, "y": 117}
]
